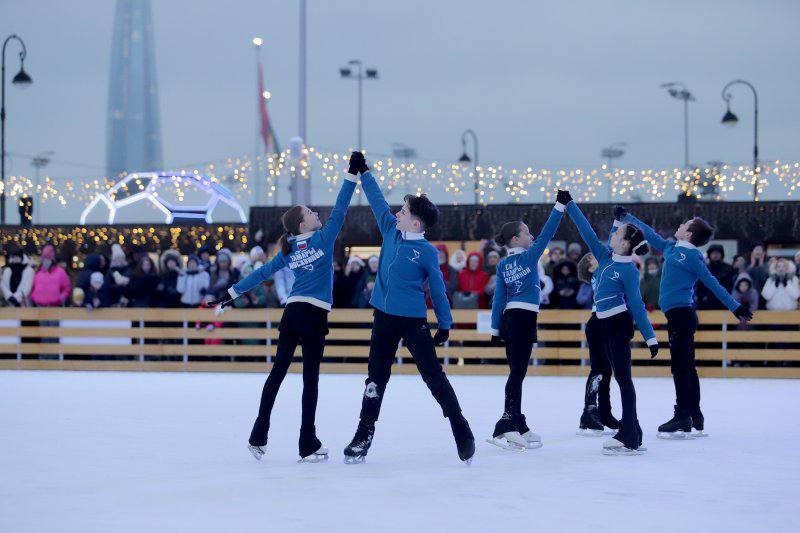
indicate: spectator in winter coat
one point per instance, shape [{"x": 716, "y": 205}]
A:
[
  {"x": 797, "y": 262},
  {"x": 369, "y": 282},
  {"x": 193, "y": 283},
  {"x": 255, "y": 297},
  {"x": 97, "y": 295},
  {"x": 339, "y": 291},
  {"x": 782, "y": 289},
  {"x": 51, "y": 286},
  {"x": 92, "y": 263},
  {"x": 142, "y": 290},
  {"x": 739, "y": 265},
  {"x": 449, "y": 273},
  {"x": 473, "y": 280},
  {"x": 257, "y": 257},
  {"x": 574, "y": 252},
  {"x": 585, "y": 297},
  {"x": 204, "y": 258},
  {"x": 744, "y": 293},
  {"x": 757, "y": 269},
  {"x": 547, "y": 286},
  {"x": 458, "y": 261},
  {"x": 283, "y": 283},
  {"x": 650, "y": 286},
  {"x": 565, "y": 286},
  {"x": 556, "y": 256},
  {"x": 119, "y": 275},
  {"x": 17, "y": 280},
  {"x": 171, "y": 265},
  {"x": 720, "y": 270},
  {"x": 223, "y": 274},
  {"x": 353, "y": 281},
  {"x": 492, "y": 259}
]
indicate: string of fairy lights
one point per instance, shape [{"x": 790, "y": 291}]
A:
[{"x": 271, "y": 175}]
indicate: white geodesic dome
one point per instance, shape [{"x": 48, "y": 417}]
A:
[{"x": 149, "y": 187}]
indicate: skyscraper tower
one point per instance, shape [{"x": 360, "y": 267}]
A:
[{"x": 133, "y": 128}]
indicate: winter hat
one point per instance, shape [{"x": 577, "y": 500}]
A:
[
  {"x": 255, "y": 253},
  {"x": 224, "y": 255},
  {"x": 458, "y": 260},
  {"x": 493, "y": 254},
  {"x": 96, "y": 278},
  {"x": 357, "y": 260},
  {"x": 48, "y": 252},
  {"x": 574, "y": 247},
  {"x": 716, "y": 248},
  {"x": 78, "y": 296},
  {"x": 373, "y": 259}
]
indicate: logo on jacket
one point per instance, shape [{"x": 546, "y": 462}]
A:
[
  {"x": 302, "y": 245},
  {"x": 517, "y": 287},
  {"x": 372, "y": 390},
  {"x": 615, "y": 275},
  {"x": 682, "y": 258},
  {"x": 415, "y": 257},
  {"x": 310, "y": 268}
]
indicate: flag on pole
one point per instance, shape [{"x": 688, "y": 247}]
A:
[{"x": 266, "y": 126}]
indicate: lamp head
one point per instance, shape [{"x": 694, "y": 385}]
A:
[
  {"x": 729, "y": 119},
  {"x": 22, "y": 79}
]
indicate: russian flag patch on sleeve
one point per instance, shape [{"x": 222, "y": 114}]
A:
[{"x": 302, "y": 245}]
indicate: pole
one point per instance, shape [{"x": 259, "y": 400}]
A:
[
  {"x": 360, "y": 113},
  {"x": 22, "y": 55},
  {"x": 256, "y": 148},
  {"x": 726, "y": 96},
  {"x": 301, "y": 127},
  {"x": 686, "y": 133}
]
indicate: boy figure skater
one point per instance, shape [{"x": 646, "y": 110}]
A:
[
  {"x": 683, "y": 266},
  {"x": 407, "y": 262}
]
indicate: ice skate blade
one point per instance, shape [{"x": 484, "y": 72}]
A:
[
  {"x": 586, "y": 432},
  {"x": 699, "y": 434},
  {"x": 354, "y": 460},
  {"x": 622, "y": 451},
  {"x": 535, "y": 445},
  {"x": 505, "y": 444},
  {"x": 675, "y": 435},
  {"x": 467, "y": 462},
  {"x": 257, "y": 451},
  {"x": 314, "y": 458}
]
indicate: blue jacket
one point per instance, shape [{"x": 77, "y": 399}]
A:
[
  {"x": 683, "y": 266},
  {"x": 617, "y": 279},
  {"x": 518, "y": 285},
  {"x": 594, "y": 280},
  {"x": 407, "y": 260},
  {"x": 311, "y": 258}
]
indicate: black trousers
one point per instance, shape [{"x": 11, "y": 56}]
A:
[
  {"x": 307, "y": 325},
  {"x": 682, "y": 325},
  {"x": 387, "y": 331},
  {"x": 617, "y": 333},
  {"x": 598, "y": 384},
  {"x": 518, "y": 329}
]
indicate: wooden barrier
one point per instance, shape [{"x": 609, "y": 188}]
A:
[{"x": 175, "y": 340}]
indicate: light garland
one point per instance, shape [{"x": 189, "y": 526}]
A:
[{"x": 496, "y": 183}]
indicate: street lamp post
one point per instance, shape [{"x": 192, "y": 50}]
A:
[
  {"x": 615, "y": 151},
  {"x": 359, "y": 75},
  {"x": 729, "y": 119},
  {"x": 679, "y": 91},
  {"x": 22, "y": 79},
  {"x": 465, "y": 159}
]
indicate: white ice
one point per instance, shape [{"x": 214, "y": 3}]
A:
[{"x": 92, "y": 452}]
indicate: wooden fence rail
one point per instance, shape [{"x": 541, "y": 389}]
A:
[{"x": 179, "y": 340}]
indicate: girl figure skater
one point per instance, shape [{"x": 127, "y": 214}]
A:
[
  {"x": 515, "y": 308},
  {"x": 618, "y": 302},
  {"x": 306, "y": 249}
]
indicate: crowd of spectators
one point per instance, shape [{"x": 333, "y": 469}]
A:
[{"x": 135, "y": 278}]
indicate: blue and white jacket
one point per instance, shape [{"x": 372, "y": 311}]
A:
[
  {"x": 617, "y": 279},
  {"x": 518, "y": 285},
  {"x": 311, "y": 258},
  {"x": 683, "y": 266},
  {"x": 407, "y": 260}
]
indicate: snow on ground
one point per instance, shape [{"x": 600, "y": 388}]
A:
[{"x": 83, "y": 451}]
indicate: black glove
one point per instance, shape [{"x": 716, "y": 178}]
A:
[
  {"x": 225, "y": 301},
  {"x": 653, "y": 350},
  {"x": 441, "y": 336},
  {"x": 743, "y": 313},
  {"x": 563, "y": 197},
  {"x": 496, "y": 341},
  {"x": 358, "y": 165},
  {"x": 620, "y": 212}
]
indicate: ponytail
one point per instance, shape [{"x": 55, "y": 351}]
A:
[
  {"x": 507, "y": 232},
  {"x": 635, "y": 239},
  {"x": 291, "y": 221}
]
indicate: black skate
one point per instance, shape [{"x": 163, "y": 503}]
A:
[
  {"x": 356, "y": 451},
  {"x": 627, "y": 441},
  {"x": 465, "y": 440},
  {"x": 590, "y": 424},
  {"x": 311, "y": 449},
  {"x": 678, "y": 428},
  {"x": 698, "y": 424},
  {"x": 507, "y": 435},
  {"x": 608, "y": 419}
]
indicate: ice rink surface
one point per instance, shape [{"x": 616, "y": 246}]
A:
[{"x": 92, "y": 452}]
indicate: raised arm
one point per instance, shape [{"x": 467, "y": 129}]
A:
[
  {"x": 657, "y": 241},
  {"x": 547, "y": 233},
  {"x": 634, "y": 298},
  {"x": 614, "y": 227},
  {"x": 335, "y": 222},
  {"x": 713, "y": 284},
  {"x": 498, "y": 303},
  {"x": 587, "y": 233},
  {"x": 441, "y": 305},
  {"x": 258, "y": 276}
]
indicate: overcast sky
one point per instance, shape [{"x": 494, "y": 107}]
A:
[{"x": 542, "y": 83}]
